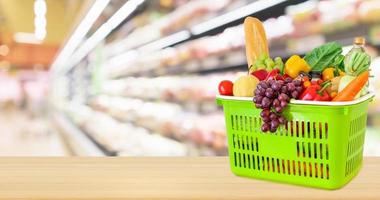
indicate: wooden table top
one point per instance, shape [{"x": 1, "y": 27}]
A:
[{"x": 159, "y": 178}]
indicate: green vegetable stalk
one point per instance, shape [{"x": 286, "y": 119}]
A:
[{"x": 357, "y": 63}]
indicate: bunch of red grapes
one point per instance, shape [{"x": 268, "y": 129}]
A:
[{"x": 273, "y": 96}]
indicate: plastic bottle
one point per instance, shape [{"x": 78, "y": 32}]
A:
[{"x": 359, "y": 43}]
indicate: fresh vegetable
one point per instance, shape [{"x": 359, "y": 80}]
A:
[
  {"x": 275, "y": 74},
  {"x": 273, "y": 96},
  {"x": 260, "y": 74},
  {"x": 306, "y": 84},
  {"x": 226, "y": 88},
  {"x": 357, "y": 63},
  {"x": 324, "y": 56},
  {"x": 347, "y": 79},
  {"x": 245, "y": 86},
  {"x": 305, "y": 81},
  {"x": 328, "y": 73},
  {"x": 263, "y": 62},
  {"x": 295, "y": 65},
  {"x": 339, "y": 63},
  {"x": 316, "y": 92},
  {"x": 353, "y": 88},
  {"x": 334, "y": 85},
  {"x": 255, "y": 39}
]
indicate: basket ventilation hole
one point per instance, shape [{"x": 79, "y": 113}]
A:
[
  {"x": 247, "y": 142},
  {"x": 258, "y": 162},
  {"x": 327, "y": 171},
  {"x": 234, "y": 141},
  {"x": 232, "y": 123},
  {"x": 298, "y": 149},
  {"x": 235, "y": 163},
  {"x": 253, "y": 162},
  {"x": 299, "y": 168},
  {"x": 321, "y": 169},
  {"x": 237, "y": 122},
  {"x": 250, "y": 125},
  {"x": 239, "y": 160}
]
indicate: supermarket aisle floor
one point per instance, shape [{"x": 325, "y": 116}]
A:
[{"x": 24, "y": 135}]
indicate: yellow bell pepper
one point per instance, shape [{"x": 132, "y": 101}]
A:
[
  {"x": 342, "y": 73},
  {"x": 328, "y": 73},
  {"x": 295, "y": 65}
]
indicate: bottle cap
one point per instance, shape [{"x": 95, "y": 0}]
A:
[{"x": 359, "y": 40}]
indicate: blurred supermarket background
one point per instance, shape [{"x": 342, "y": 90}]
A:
[{"x": 139, "y": 78}]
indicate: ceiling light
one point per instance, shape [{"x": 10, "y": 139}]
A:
[
  {"x": 40, "y": 22},
  {"x": 39, "y": 8},
  {"x": 126, "y": 10},
  {"x": 79, "y": 33},
  {"x": 40, "y": 34},
  {"x": 40, "y": 19},
  {"x": 234, "y": 15},
  {"x": 28, "y": 38},
  {"x": 166, "y": 41},
  {"x": 4, "y": 50}
]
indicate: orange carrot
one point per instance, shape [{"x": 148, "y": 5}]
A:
[{"x": 353, "y": 88}]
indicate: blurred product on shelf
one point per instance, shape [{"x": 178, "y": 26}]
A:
[
  {"x": 167, "y": 119},
  {"x": 188, "y": 91},
  {"x": 188, "y": 57},
  {"x": 182, "y": 17},
  {"x": 123, "y": 138}
]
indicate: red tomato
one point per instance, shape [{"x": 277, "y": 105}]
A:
[{"x": 226, "y": 88}]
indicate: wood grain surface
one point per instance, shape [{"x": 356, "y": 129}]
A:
[{"x": 159, "y": 178}]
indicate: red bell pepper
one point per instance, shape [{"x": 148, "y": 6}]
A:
[
  {"x": 316, "y": 92},
  {"x": 275, "y": 74},
  {"x": 260, "y": 74}
]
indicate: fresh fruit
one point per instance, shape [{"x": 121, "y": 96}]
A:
[
  {"x": 255, "y": 39},
  {"x": 273, "y": 96},
  {"x": 226, "y": 88},
  {"x": 260, "y": 74},
  {"x": 263, "y": 62},
  {"x": 245, "y": 86}
]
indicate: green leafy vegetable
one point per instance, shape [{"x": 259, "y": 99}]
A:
[
  {"x": 357, "y": 63},
  {"x": 339, "y": 63},
  {"x": 324, "y": 56}
]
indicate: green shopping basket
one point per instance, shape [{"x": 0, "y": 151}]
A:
[{"x": 320, "y": 146}]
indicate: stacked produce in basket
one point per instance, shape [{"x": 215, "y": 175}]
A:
[{"x": 323, "y": 74}]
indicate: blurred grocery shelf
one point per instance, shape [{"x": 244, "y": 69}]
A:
[{"x": 143, "y": 81}]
